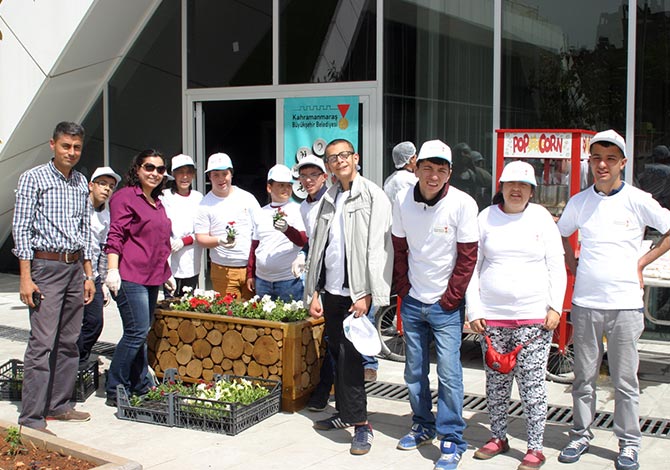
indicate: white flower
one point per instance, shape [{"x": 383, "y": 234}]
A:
[
  {"x": 269, "y": 306},
  {"x": 187, "y": 289},
  {"x": 266, "y": 298}
]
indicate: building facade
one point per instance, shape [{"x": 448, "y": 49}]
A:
[{"x": 200, "y": 76}]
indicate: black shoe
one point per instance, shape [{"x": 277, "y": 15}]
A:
[
  {"x": 111, "y": 402},
  {"x": 334, "y": 422},
  {"x": 317, "y": 402}
]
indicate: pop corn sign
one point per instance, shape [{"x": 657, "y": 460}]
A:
[{"x": 538, "y": 145}]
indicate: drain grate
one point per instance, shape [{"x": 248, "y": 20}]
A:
[
  {"x": 11, "y": 333},
  {"x": 652, "y": 427}
]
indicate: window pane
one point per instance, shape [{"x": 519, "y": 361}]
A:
[
  {"x": 229, "y": 43},
  {"x": 252, "y": 148},
  {"x": 438, "y": 72},
  {"x": 564, "y": 64},
  {"x": 327, "y": 41},
  {"x": 145, "y": 91},
  {"x": 652, "y": 100},
  {"x": 93, "y": 153}
]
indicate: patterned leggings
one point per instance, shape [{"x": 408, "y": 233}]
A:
[{"x": 529, "y": 371}]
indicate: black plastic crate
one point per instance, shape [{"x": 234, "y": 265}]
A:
[
  {"x": 11, "y": 381},
  {"x": 87, "y": 381},
  {"x": 223, "y": 417},
  {"x": 147, "y": 411}
]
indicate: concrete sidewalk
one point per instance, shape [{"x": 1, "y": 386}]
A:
[{"x": 288, "y": 440}]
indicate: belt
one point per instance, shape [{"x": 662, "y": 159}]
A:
[{"x": 67, "y": 258}]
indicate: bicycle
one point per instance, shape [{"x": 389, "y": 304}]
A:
[{"x": 560, "y": 366}]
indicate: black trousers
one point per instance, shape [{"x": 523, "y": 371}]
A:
[{"x": 349, "y": 375}]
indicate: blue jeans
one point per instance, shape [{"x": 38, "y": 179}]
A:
[
  {"x": 129, "y": 365},
  {"x": 371, "y": 362},
  {"x": 421, "y": 322},
  {"x": 284, "y": 290},
  {"x": 91, "y": 326}
]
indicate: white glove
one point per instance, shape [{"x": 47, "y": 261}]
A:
[
  {"x": 113, "y": 281},
  {"x": 170, "y": 285},
  {"x": 281, "y": 225},
  {"x": 298, "y": 265},
  {"x": 106, "y": 296},
  {"x": 176, "y": 244},
  {"x": 223, "y": 241}
]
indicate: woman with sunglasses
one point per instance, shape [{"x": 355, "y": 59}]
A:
[
  {"x": 138, "y": 247},
  {"x": 515, "y": 298}
]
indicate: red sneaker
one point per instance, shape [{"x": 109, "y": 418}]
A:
[
  {"x": 532, "y": 460},
  {"x": 492, "y": 448}
]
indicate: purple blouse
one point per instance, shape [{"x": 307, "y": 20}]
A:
[{"x": 140, "y": 234}]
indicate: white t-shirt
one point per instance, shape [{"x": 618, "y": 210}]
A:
[
  {"x": 216, "y": 213},
  {"x": 612, "y": 229},
  {"x": 309, "y": 211},
  {"x": 335, "y": 251},
  {"x": 99, "y": 230},
  {"x": 397, "y": 181},
  {"x": 432, "y": 233},
  {"x": 182, "y": 211},
  {"x": 520, "y": 268},
  {"x": 275, "y": 252}
]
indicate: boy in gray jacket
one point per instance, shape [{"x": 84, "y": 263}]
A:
[{"x": 349, "y": 269}]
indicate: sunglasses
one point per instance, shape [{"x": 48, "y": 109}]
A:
[{"x": 150, "y": 168}]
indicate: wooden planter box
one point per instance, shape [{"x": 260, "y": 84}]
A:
[{"x": 200, "y": 345}]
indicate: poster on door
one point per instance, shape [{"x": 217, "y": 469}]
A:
[{"x": 310, "y": 123}]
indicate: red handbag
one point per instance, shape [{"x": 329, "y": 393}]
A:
[{"x": 503, "y": 363}]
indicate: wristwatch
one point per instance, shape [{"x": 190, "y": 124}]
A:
[{"x": 89, "y": 278}]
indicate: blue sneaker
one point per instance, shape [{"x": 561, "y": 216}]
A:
[
  {"x": 450, "y": 457},
  {"x": 627, "y": 459},
  {"x": 573, "y": 451},
  {"x": 417, "y": 437},
  {"x": 362, "y": 441}
]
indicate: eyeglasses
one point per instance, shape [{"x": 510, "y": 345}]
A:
[
  {"x": 150, "y": 168},
  {"x": 339, "y": 156},
  {"x": 104, "y": 185},
  {"x": 311, "y": 176}
]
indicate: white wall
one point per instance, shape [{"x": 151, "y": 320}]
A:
[{"x": 55, "y": 57}]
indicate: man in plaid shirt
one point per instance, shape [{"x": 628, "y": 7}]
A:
[{"x": 52, "y": 239}]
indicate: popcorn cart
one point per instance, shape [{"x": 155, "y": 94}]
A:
[{"x": 560, "y": 159}]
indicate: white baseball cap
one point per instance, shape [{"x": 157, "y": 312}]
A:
[
  {"x": 518, "y": 171},
  {"x": 311, "y": 160},
  {"x": 280, "y": 173},
  {"x": 362, "y": 334},
  {"x": 218, "y": 161},
  {"x": 181, "y": 160},
  {"x": 105, "y": 171},
  {"x": 435, "y": 149},
  {"x": 610, "y": 136}
]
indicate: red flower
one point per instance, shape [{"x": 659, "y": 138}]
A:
[
  {"x": 228, "y": 299},
  {"x": 229, "y": 313}
]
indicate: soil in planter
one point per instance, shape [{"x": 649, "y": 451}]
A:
[{"x": 32, "y": 458}]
